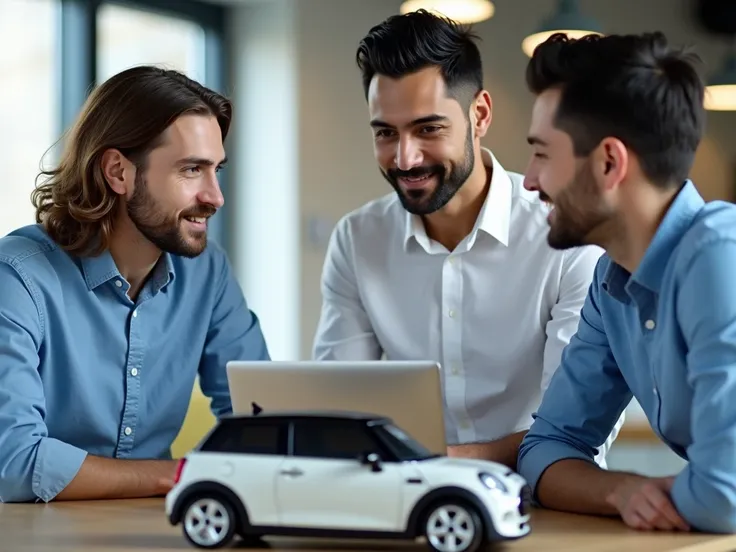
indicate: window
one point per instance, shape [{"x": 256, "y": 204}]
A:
[
  {"x": 345, "y": 439},
  {"x": 239, "y": 437},
  {"x": 128, "y": 36},
  {"x": 29, "y": 103}
]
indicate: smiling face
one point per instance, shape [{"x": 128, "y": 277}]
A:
[
  {"x": 571, "y": 184},
  {"x": 178, "y": 190},
  {"x": 422, "y": 140}
]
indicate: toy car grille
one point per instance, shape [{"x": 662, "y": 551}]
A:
[{"x": 525, "y": 500}]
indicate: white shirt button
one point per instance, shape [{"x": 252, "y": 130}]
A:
[
  {"x": 135, "y": 313},
  {"x": 464, "y": 424},
  {"x": 455, "y": 369},
  {"x": 451, "y": 260},
  {"x": 128, "y": 431},
  {"x": 118, "y": 283},
  {"x": 451, "y": 313},
  {"x": 655, "y": 391},
  {"x": 134, "y": 372},
  {"x": 649, "y": 324}
]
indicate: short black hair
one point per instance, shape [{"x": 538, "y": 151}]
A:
[
  {"x": 408, "y": 43},
  {"x": 632, "y": 87}
]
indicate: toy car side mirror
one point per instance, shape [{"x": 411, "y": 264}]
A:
[{"x": 371, "y": 459}]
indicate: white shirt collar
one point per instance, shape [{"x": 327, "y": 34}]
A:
[{"x": 494, "y": 217}]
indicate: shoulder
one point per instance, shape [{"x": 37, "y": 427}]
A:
[
  {"x": 32, "y": 254},
  {"x": 24, "y": 243},
  {"x": 378, "y": 221},
  {"x": 714, "y": 223}
]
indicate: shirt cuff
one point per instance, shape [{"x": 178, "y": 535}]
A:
[
  {"x": 57, "y": 463},
  {"x": 541, "y": 455}
]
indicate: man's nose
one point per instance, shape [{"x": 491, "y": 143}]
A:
[{"x": 408, "y": 154}]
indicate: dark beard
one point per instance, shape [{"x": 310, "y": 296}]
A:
[
  {"x": 164, "y": 231},
  {"x": 578, "y": 212},
  {"x": 419, "y": 202}
]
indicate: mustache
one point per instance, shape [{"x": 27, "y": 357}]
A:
[
  {"x": 416, "y": 172},
  {"x": 205, "y": 211}
]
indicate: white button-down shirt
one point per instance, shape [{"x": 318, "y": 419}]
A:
[{"x": 496, "y": 312}]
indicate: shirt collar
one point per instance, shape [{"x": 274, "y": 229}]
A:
[
  {"x": 495, "y": 214},
  {"x": 651, "y": 269},
  {"x": 102, "y": 268}
]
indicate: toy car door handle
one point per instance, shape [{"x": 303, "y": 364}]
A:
[{"x": 293, "y": 472}]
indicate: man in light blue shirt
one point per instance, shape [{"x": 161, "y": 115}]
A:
[
  {"x": 615, "y": 127},
  {"x": 114, "y": 302}
]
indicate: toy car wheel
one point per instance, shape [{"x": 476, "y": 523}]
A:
[
  {"x": 209, "y": 522},
  {"x": 453, "y": 527}
]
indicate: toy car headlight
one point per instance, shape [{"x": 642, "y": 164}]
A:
[{"x": 492, "y": 482}]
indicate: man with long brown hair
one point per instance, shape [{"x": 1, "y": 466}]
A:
[{"x": 114, "y": 301}]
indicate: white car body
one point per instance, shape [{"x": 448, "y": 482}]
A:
[{"x": 287, "y": 494}]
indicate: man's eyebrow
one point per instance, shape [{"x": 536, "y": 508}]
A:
[
  {"x": 434, "y": 118},
  {"x": 203, "y": 161},
  {"x": 536, "y": 141}
]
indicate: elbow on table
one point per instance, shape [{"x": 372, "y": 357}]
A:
[
  {"x": 712, "y": 512},
  {"x": 15, "y": 488}
]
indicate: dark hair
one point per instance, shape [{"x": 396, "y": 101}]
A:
[
  {"x": 632, "y": 87},
  {"x": 405, "y": 44},
  {"x": 129, "y": 112}
]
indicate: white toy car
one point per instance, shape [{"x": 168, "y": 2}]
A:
[{"x": 339, "y": 475}]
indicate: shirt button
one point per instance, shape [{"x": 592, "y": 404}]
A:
[
  {"x": 654, "y": 389},
  {"x": 464, "y": 424},
  {"x": 455, "y": 369},
  {"x": 128, "y": 431},
  {"x": 451, "y": 260},
  {"x": 118, "y": 283},
  {"x": 134, "y": 372},
  {"x": 451, "y": 313},
  {"x": 649, "y": 324},
  {"x": 135, "y": 313}
]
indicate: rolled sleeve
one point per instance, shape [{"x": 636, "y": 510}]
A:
[
  {"x": 56, "y": 465},
  {"x": 33, "y": 466},
  {"x": 344, "y": 330},
  {"x": 234, "y": 334},
  {"x": 705, "y": 491},
  {"x": 585, "y": 398}
]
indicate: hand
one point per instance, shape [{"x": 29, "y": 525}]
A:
[{"x": 644, "y": 503}]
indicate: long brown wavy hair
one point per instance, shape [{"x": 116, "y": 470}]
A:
[{"x": 128, "y": 112}]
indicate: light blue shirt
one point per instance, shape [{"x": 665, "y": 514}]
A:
[
  {"x": 84, "y": 369},
  {"x": 667, "y": 335}
]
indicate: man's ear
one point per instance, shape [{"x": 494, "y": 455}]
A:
[
  {"x": 611, "y": 162},
  {"x": 118, "y": 171},
  {"x": 481, "y": 109}
]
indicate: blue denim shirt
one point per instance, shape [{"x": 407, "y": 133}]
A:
[
  {"x": 667, "y": 336},
  {"x": 84, "y": 369}
]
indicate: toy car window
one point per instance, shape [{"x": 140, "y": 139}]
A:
[
  {"x": 333, "y": 439},
  {"x": 247, "y": 438}
]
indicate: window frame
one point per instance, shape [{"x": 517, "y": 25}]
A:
[{"x": 78, "y": 63}]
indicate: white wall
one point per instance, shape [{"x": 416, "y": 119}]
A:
[{"x": 329, "y": 170}]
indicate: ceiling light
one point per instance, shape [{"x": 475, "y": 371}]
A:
[
  {"x": 461, "y": 11},
  {"x": 720, "y": 94}
]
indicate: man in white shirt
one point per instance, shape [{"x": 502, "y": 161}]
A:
[{"x": 454, "y": 266}]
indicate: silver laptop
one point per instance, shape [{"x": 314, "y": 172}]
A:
[{"x": 410, "y": 393}]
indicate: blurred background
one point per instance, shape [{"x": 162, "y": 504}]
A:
[{"x": 300, "y": 148}]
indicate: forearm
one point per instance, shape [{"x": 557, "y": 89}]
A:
[
  {"x": 109, "y": 478},
  {"x": 578, "y": 486},
  {"x": 504, "y": 451}
]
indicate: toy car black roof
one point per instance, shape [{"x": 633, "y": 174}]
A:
[{"x": 259, "y": 413}]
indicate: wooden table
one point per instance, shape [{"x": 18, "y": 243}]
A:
[{"x": 141, "y": 526}]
